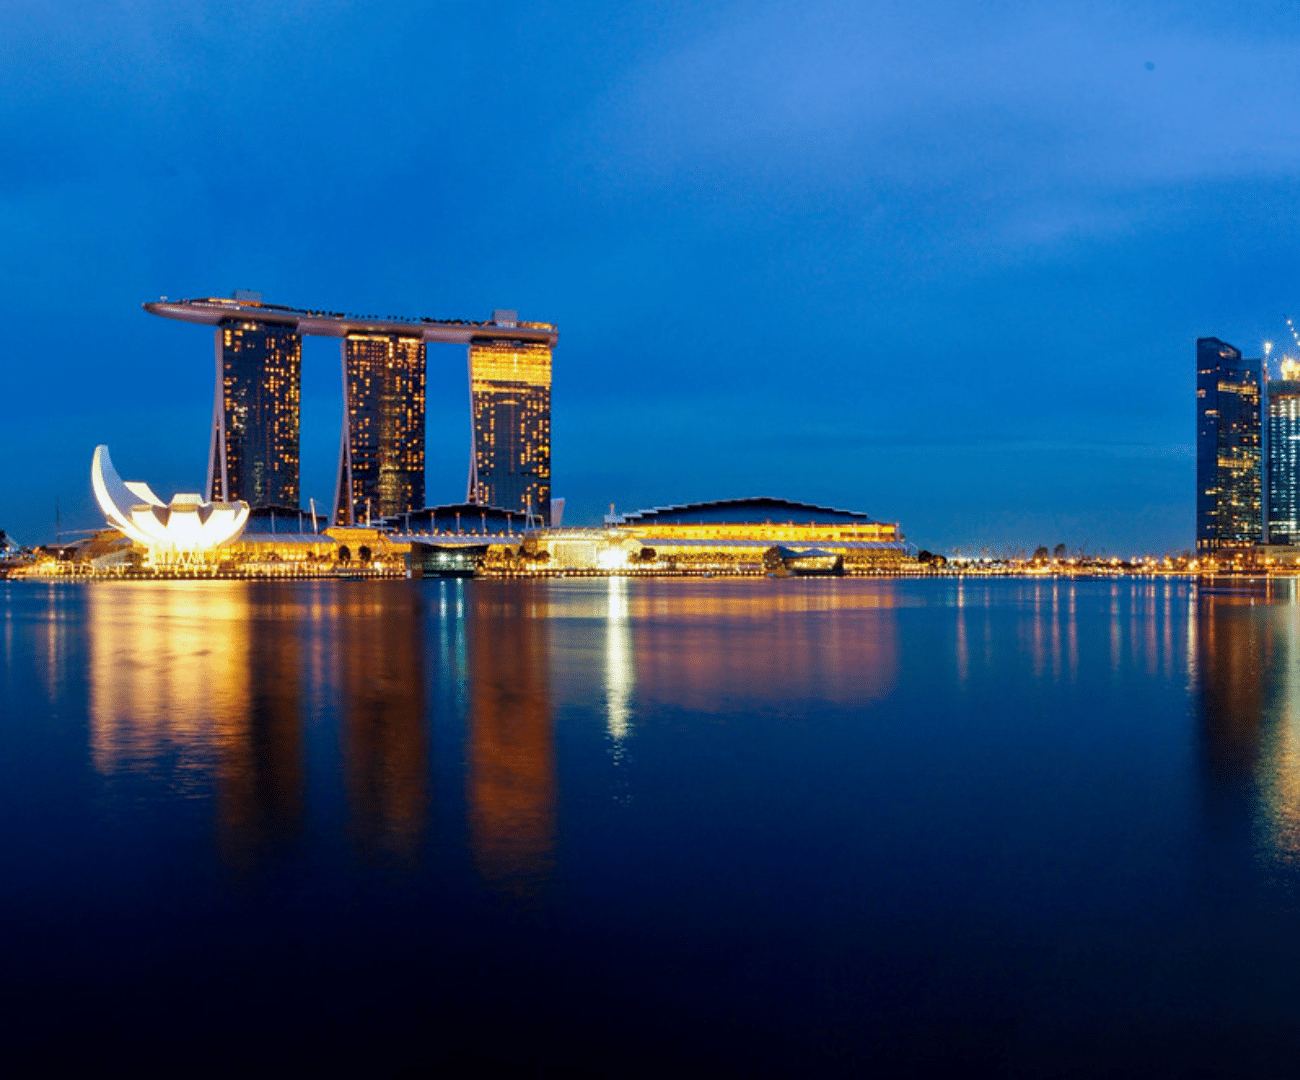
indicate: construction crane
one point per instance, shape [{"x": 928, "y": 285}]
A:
[
  {"x": 1290, "y": 367},
  {"x": 1291, "y": 326}
]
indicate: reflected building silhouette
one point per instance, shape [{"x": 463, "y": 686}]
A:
[
  {"x": 1276, "y": 629},
  {"x": 1247, "y": 672},
  {"x": 1230, "y": 669},
  {"x": 1230, "y": 661},
  {"x": 510, "y": 781},
  {"x": 260, "y": 773},
  {"x": 174, "y": 691},
  {"x": 202, "y": 683},
  {"x": 379, "y": 655}
]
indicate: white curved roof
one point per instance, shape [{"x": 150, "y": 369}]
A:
[{"x": 187, "y": 523}]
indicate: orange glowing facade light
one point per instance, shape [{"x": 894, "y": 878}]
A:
[{"x": 510, "y": 400}]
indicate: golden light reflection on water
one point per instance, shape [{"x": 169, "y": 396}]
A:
[
  {"x": 377, "y": 648},
  {"x": 1247, "y": 667},
  {"x": 620, "y": 666},
  {"x": 169, "y": 675},
  {"x": 174, "y": 690},
  {"x": 510, "y": 775},
  {"x": 217, "y": 686},
  {"x": 1231, "y": 691},
  {"x": 711, "y": 649},
  {"x": 210, "y": 683},
  {"x": 1282, "y": 752}
]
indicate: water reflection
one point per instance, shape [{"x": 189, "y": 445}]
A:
[
  {"x": 1229, "y": 654},
  {"x": 1116, "y": 631},
  {"x": 510, "y": 781},
  {"x": 1248, "y": 668},
  {"x": 206, "y": 685},
  {"x": 620, "y": 671},
  {"x": 169, "y": 677},
  {"x": 244, "y": 692},
  {"x": 1282, "y": 751},
  {"x": 709, "y": 649},
  {"x": 1023, "y": 841},
  {"x": 215, "y": 688},
  {"x": 963, "y": 653},
  {"x": 378, "y": 644},
  {"x": 260, "y": 771}
]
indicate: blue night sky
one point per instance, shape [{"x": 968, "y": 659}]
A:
[{"x": 942, "y": 263}]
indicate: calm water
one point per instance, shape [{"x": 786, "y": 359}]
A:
[{"x": 852, "y": 826}]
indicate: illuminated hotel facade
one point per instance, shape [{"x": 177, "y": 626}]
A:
[
  {"x": 254, "y": 455},
  {"x": 1229, "y": 481},
  {"x": 255, "y": 416},
  {"x": 510, "y": 395},
  {"x": 1283, "y": 471},
  {"x": 381, "y": 456}
]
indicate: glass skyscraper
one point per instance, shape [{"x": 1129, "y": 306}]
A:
[
  {"x": 510, "y": 392},
  {"x": 381, "y": 459},
  {"x": 1229, "y": 482},
  {"x": 1283, "y": 471},
  {"x": 254, "y": 454}
]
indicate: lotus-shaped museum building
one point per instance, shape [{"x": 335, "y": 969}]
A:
[{"x": 183, "y": 530}]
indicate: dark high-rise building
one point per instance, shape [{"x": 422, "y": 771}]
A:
[
  {"x": 381, "y": 460},
  {"x": 510, "y": 392},
  {"x": 1229, "y": 503},
  {"x": 1283, "y": 471},
  {"x": 254, "y": 453}
]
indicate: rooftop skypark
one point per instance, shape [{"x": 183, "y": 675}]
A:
[{"x": 213, "y": 310}]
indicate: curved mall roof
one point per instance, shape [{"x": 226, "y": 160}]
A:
[
  {"x": 754, "y": 511},
  {"x": 185, "y": 524}
]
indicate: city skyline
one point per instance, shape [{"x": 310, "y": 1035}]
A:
[
  {"x": 863, "y": 645},
  {"x": 1248, "y": 450},
  {"x": 826, "y": 278}
]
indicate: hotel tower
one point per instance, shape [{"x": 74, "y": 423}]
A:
[
  {"x": 254, "y": 449},
  {"x": 254, "y": 454},
  {"x": 510, "y": 400},
  {"x": 381, "y": 457}
]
